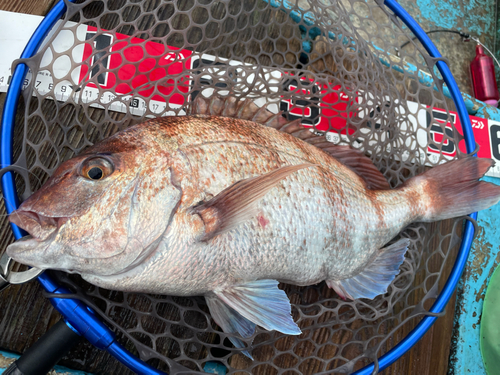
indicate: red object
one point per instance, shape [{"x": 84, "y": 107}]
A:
[{"x": 483, "y": 78}]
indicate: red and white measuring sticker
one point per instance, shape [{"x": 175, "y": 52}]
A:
[{"x": 131, "y": 84}]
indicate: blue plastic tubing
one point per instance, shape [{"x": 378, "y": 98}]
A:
[{"x": 80, "y": 318}]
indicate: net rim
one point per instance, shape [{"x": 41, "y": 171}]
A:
[{"x": 86, "y": 323}]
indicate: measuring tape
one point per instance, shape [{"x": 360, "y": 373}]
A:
[{"x": 167, "y": 72}]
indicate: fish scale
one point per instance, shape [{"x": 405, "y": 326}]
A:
[{"x": 226, "y": 208}]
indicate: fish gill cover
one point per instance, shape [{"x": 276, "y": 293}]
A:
[{"x": 333, "y": 64}]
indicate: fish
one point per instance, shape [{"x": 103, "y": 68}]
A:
[{"x": 229, "y": 201}]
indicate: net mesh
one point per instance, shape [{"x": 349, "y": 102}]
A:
[{"x": 335, "y": 64}]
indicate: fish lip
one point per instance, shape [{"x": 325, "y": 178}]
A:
[
  {"x": 39, "y": 226},
  {"x": 23, "y": 249},
  {"x": 25, "y": 243}
]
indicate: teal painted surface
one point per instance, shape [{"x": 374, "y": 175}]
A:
[
  {"x": 451, "y": 13},
  {"x": 58, "y": 369},
  {"x": 213, "y": 367},
  {"x": 65, "y": 370},
  {"x": 8, "y": 355},
  {"x": 488, "y": 112},
  {"x": 483, "y": 260}
]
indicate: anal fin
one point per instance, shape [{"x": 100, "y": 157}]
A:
[{"x": 376, "y": 277}]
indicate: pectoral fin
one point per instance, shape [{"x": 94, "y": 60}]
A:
[
  {"x": 236, "y": 204},
  {"x": 376, "y": 277}
]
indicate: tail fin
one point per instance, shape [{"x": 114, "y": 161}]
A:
[{"x": 453, "y": 188}]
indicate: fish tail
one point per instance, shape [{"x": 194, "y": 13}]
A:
[{"x": 452, "y": 189}]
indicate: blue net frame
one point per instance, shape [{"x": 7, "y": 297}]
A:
[{"x": 81, "y": 318}]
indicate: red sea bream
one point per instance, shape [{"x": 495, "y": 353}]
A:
[{"x": 226, "y": 203}]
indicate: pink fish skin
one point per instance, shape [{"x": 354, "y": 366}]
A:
[{"x": 226, "y": 207}]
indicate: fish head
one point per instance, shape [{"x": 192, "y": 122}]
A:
[{"x": 100, "y": 213}]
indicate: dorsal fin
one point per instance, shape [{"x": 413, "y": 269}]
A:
[
  {"x": 360, "y": 164},
  {"x": 230, "y": 106},
  {"x": 246, "y": 109}
]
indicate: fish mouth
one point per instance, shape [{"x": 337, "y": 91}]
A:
[{"x": 39, "y": 226}]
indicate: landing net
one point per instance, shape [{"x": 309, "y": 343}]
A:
[{"x": 335, "y": 64}]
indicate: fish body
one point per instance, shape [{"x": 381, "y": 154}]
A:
[
  {"x": 319, "y": 222},
  {"x": 226, "y": 207}
]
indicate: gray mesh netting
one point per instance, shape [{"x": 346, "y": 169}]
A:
[{"x": 336, "y": 64}]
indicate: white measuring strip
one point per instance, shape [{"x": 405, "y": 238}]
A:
[
  {"x": 22, "y": 26},
  {"x": 17, "y": 29},
  {"x": 15, "y": 33}
]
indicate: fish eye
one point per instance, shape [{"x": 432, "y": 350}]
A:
[
  {"x": 96, "y": 168},
  {"x": 95, "y": 173}
]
